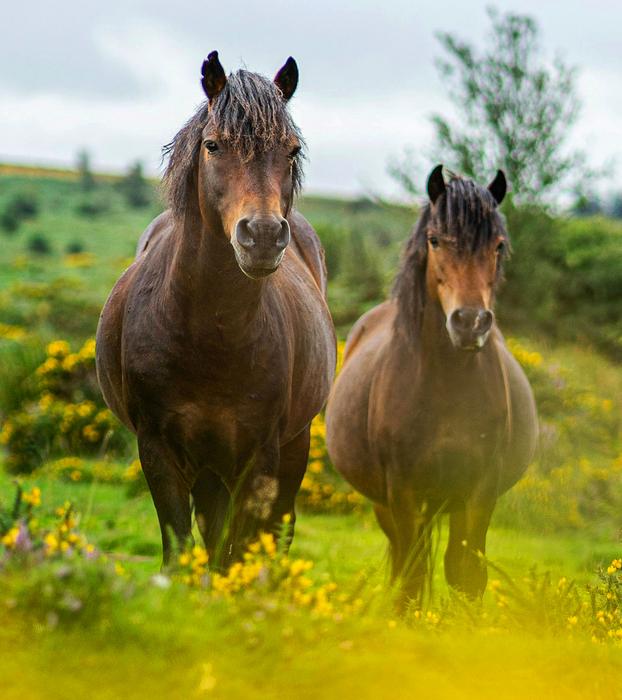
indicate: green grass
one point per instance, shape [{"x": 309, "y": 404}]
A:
[{"x": 169, "y": 644}]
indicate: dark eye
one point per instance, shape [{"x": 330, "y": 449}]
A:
[
  {"x": 211, "y": 146},
  {"x": 294, "y": 152},
  {"x": 433, "y": 241},
  {"x": 501, "y": 248}
]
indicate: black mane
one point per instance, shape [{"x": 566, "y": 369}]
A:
[{"x": 249, "y": 115}]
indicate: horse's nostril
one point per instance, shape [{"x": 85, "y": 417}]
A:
[
  {"x": 243, "y": 234},
  {"x": 484, "y": 321},
  {"x": 283, "y": 239},
  {"x": 462, "y": 320}
]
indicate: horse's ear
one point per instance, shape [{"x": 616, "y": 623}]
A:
[
  {"x": 287, "y": 78},
  {"x": 436, "y": 184},
  {"x": 213, "y": 75},
  {"x": 498, "y": 187}
]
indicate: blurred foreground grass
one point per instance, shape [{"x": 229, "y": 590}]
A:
[{"x": 170, "y": 642}]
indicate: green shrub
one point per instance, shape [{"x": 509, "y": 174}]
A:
[
  {"x": 564, "y": 278},
  {"x": 135, "y": 188},
  {"x": 94, "y": 203},
  {"x": 39, "y": 245},
  {"x": 74, "y": 247}
]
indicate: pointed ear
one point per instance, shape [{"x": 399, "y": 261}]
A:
[
  {"x": 436, "y": 184},
  {"x": 287, "y": 78},
  {"x": 498, "y": 187},
  {"x": 213, "y": 76}
]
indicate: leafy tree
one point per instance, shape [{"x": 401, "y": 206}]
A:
[
  {"x": 135, "y": 187},
  {"x": 85, "y": 174},
  {"x": 514, "y": 109}
]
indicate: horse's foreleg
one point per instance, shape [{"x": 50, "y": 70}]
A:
[
  {"x": 212, "y": 504},
  {"x": 410, "y": 550},
  {"x": 254, "y": 494},
  {"x": 171, "y": 496},
  {"x": 465, "y": 566},
  {"x": 456, "y": 550},
  {"x": 385, "y": 520},
  {"x": 292, "y": 467}
]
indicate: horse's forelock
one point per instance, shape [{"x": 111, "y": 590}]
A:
[
  {"x": 467, "y": 213},
  {"x": 249, "y": 115}
]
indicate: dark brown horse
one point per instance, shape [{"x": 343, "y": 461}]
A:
[
  {"x": 431, "y": 412},
  {"x": 216, "y": 346}
]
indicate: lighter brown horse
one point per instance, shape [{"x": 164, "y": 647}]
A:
[
  {"x": 216, "y": 346},
  {"x": 431, "y": 413}
]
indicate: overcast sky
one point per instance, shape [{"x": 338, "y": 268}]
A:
[{"x": 120, "y": 77}]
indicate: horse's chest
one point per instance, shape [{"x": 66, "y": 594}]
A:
[{"x": 446, "y": 452}]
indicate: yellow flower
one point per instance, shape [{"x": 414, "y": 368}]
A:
[
  {"x": 10, "y": 538},
  {"x": 48, "y": 366},
  {"x": 51, "y": 543},
  {"x": 90, "y": 433},
  {"x": 70, "y": 362},
  {"x": 6, "y": 433},
  {"x": 33, "y": 497},
  {"x": 268, "y": 543},
  {"x": 58, "y": 349},
  {"x": 316, "y": 466},
  {"x": 87, "y": 351},
  {"x": 86, "y": 408}
]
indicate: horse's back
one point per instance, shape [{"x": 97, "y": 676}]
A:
[
  {"x": 347, "y": 412},
  {"x": 156, "y": 228},
  {"x": 522, "y": 418},
  {"x": 308, "y": 248}
]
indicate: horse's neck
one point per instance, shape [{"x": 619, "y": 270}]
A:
[{"x": 217, "y": 299}]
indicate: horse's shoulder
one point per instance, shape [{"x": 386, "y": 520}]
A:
[
  {"x": 160, "y": 224},
  {"x": 368, "y": 324},
  {"x": 308, "y": 247}
]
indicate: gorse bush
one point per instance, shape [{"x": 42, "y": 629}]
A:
[
  {"x": 67, "y": 416},
  {"x": 576, "y": 478}
]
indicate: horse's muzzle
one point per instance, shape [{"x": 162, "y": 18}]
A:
[
  {"x": 469, "y": 327},
  {"x": 259, "y": 244}
]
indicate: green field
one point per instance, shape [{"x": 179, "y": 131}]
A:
[{"x": 108, "y": 627}]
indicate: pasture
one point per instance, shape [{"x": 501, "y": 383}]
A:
[{"x": 81, "y": 600}]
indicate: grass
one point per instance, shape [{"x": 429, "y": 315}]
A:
[{"x": 170, "y": 645}]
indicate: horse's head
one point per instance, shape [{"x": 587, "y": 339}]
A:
[
  {"x": 466, "y": 243},
  {"x": 457, "y": 253},
  {"x": 249, "y": 162}
]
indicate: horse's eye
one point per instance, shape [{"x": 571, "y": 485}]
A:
[
  {"x": 501, "y": 248},
  {"x": 433, "y": 241},
  {"x": 294, "y": 152},
  {"x": 211, "y": 146}
]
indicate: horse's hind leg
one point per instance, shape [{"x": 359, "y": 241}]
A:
[
  {"x": 212, "y": 504},
  {"x": 171, "y": 496}
]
